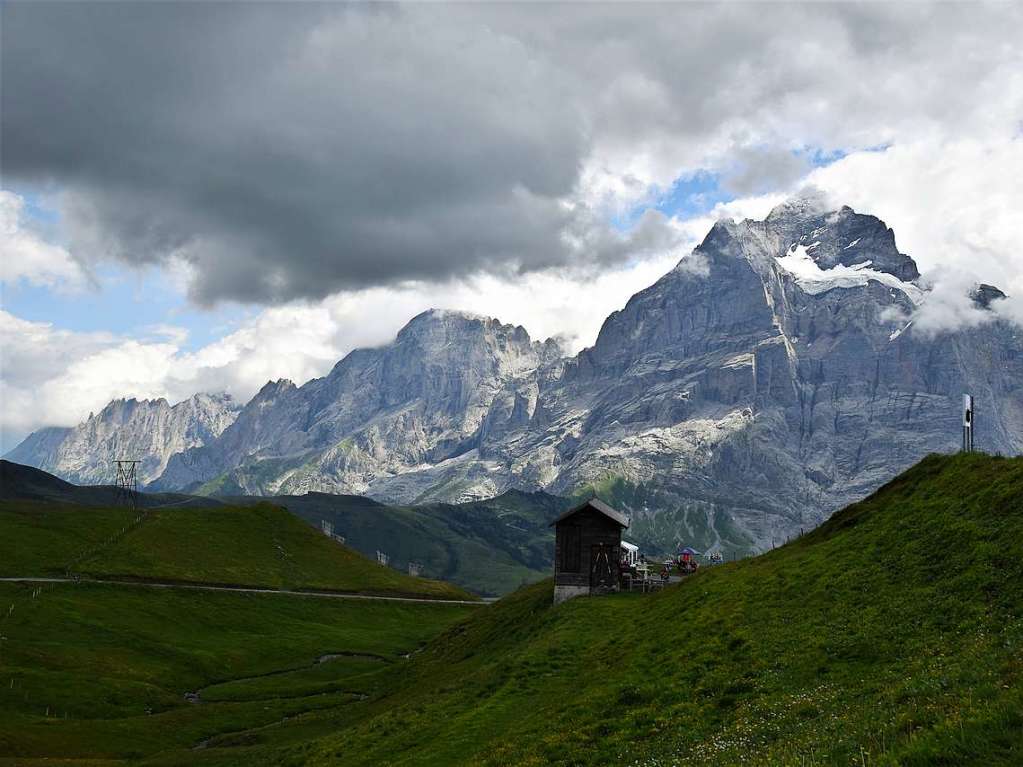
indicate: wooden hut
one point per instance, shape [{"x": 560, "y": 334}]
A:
[{"x": 587, "y": 550}]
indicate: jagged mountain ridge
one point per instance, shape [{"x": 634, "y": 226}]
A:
[
  {"x": 150, "y": 430},
  {"x": 416, "y": 402},
  {"x": 765, "y": 381}
]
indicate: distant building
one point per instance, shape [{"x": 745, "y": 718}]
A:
[
  {"x": 630, "y": 554},
  {"x": 587, "y": 550}
]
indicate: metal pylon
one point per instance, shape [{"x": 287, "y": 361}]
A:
[{"x": 127, "y": 483}]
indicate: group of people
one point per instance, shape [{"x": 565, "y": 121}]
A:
[{"x": 685, "y": 564}]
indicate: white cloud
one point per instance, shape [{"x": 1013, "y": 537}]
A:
[
  {"x": 952, "y": 204},
  {"x": 948, "y": 305},
  {"x": 26, "y": 257},
  {"x": 319, "y": 148}
]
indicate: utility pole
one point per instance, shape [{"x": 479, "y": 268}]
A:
[{"x": 127, "y": 482}]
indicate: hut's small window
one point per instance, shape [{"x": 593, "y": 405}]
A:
[{"x": 571, "y": 548}]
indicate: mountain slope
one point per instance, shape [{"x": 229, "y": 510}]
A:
[
  {"x": 379, "y": 413},
  {"x": 150, "y": 431},
  {"x": 773, "y": 376},
  {"x": 891, "y": 635},
  {"x": 740, "y": 401},
  {"x": 768, "y": 379},
  {"x": 251, "y": 546},
  {"x": 490, "y": 547},
  {"x": 27, "y": 483}
]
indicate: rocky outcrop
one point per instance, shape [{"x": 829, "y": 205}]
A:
[
  {"x": 380, "y": 413},
  {"x": 150, "y": 431}
]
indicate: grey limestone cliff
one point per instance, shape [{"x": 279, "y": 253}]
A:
[{"x": 772, "y": 376}]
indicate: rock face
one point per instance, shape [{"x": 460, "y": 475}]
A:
[
  {"x": 773, "y": 376},
  {"x": 380, "y": 414},
  {"x": 149, "y": 430}
]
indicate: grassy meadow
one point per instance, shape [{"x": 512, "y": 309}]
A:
[
  {"x": 892, "y": 635},
  {"x": 101, "y": 671},
  {"x": 260, "y": 545}
]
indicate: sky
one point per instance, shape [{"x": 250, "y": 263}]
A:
[{"x": 207, "y": 196}]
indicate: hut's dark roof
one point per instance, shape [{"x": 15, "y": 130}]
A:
[{"x": 597, "y": 505}]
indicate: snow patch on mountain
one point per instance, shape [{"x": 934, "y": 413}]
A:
[{"x": 798, "y": 262}]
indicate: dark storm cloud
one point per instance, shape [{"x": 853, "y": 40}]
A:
[
  {"x": 291, "y": 150},
  {"x": 757, "y": 170}
]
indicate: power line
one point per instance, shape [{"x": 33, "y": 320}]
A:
[{"x": 127, "y": 482}]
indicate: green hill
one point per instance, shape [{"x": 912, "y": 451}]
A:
[
  {"x": 490, "y": 547},
  {"x": 110, "y": 674},
  {"x": 260, "y": 545},
  {"x": 891, "y": 635},
  {"x": 27, "y": 483}
]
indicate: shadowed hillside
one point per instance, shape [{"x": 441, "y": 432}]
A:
[
  {"x": 490, "y": 547},
  {"x": 261, "y": 546},
  {"x": 26, "y": 483},
  {"x": 891, "y": 635}
]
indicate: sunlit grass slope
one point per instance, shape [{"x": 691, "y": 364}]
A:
[
  {"x": 891, "y": 635},
  {"x": 101, "y": 672},
  {"x": 260, "y": 545}
]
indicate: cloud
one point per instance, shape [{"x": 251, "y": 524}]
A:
[
  {"x": 757, "y": 170},
  {"x": 351, "y": 166},
  {"x": 954, "y": 205},
  {"x": 965, "y": 234},
  {"x": 288, "y": 151},
  {"x": 948, "y": 305},
  {"x": 25, "y": 256}
]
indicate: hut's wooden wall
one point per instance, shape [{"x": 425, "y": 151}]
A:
[{"x": 594, "y": 528}]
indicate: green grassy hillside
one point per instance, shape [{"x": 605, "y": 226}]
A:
[
  {"x": 101, "y": 672},
  {"x": 891, "y": 635},
  {"x": 490, "y": 547},
  {"x": 27, "y": 483},
  {"x": 261, "y": 545},
  {"x": 111, "y": 673}
]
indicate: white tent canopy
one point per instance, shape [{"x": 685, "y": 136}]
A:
[{"x": 630, "y": 552}]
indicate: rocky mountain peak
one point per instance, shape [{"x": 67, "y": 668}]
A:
[
  {"x": 446, "y": 325},
  {"x": 769, "y": 377},
  {"x": 842, "y": 237},
  {"x": 149, "y": 429},
  {"x": 982, "y": 295},
  {"x": 273, "y": 389},
  {"x": 801, "y": 207}
]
